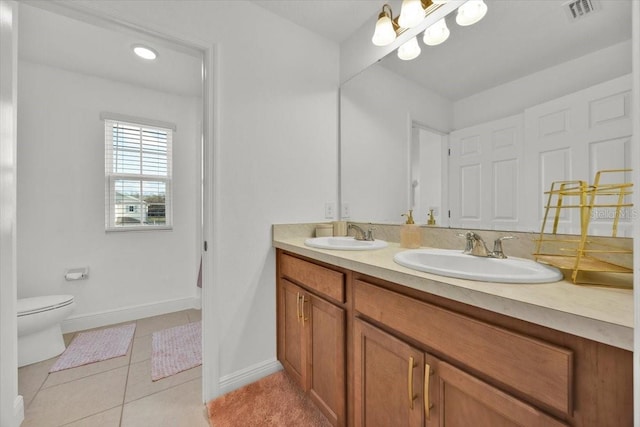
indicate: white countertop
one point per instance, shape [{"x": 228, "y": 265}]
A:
[{"x": 598, "y": 313}]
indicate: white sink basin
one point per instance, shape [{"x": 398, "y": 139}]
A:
[
  {"x": 344, "y": 243},
  {"x": 453, "y": 263}
]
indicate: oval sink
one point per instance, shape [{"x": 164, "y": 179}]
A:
[
  {"x": 454, "y": 263},
  {"x": 344, "y": 243}
]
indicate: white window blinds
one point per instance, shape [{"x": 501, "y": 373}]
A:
[{"x": 138, "y": 187}]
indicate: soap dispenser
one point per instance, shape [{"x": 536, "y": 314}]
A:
[
  {"x": 410, "y": 234},
  {"x": 431, "y": 220}
]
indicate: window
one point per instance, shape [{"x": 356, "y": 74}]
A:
[{"x": 137, "y": 175}]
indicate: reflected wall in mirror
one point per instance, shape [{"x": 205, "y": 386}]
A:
[{"x": 527, "y": 96}]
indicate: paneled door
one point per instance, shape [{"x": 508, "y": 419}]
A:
[
  {"x": 485, "y": 174},
  {"x": 571, "y": 138},
  {"x": 291, "y": 347},
  {"x": 388, "y": 379}
]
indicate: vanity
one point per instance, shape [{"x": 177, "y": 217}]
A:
[{"x": 374, "y": 343}]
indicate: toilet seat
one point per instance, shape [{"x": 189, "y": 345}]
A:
[{"x": 33, "y": 305}]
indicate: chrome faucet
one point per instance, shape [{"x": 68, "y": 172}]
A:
[
  {"x": 361, "y": 234},
  {"x": 497, "y": 247},
  {"x": 476, "y": 246}
]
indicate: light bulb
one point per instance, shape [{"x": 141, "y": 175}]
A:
[
  {"x": 409, "y": 50},
  {"x": 145, "y": 52},
  {"x": 436, "y": 34},
  {"x": 471, "y": 12},
  {"x": 411, "y": 13},
  {"x": 384, "y": 33}
]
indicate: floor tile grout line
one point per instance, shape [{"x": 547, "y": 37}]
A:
[
  {"x": 126, "y": 381},
  {"x": 165, "y": 389},
  {"x": 86, "y": 376},
  {"x": 37, "y": 391},
  {"x": 88, "y": 416}
]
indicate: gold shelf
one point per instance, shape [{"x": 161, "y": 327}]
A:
[{"x": 584, "y": 254}]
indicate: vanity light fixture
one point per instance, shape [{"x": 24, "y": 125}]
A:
[
  {"x": 409, "y": 50},
  {"x": 436, "y": 34},
  {"x": 413, "y": 13},
  {"x": 145, "y": 52},
  {"x": 471, "y": 12},
  {"x": 385, "y": 32}
]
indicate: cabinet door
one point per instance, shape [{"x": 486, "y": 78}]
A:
[
  {"x": 388, "y": 379},
  {"x": 454, "y": 398},
  {"x": 325, "y": 327},
  {"x": 290, "y": 333}
]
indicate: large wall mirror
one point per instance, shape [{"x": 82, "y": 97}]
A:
[{"x": 478, "y": 128}]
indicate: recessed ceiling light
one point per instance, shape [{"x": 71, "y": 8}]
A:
[{"x": 145, "y": 52}]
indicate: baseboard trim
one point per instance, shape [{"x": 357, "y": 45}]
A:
[
  {"x": 18, "y": 411},
  {"x": 126, "y": 314},
  {"x": 248, "y": 375}
]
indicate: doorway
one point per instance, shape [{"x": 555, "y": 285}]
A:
[{"x": 64, "y": 152}]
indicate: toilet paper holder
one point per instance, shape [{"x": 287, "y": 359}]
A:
[{"x": 76, "y": 274}]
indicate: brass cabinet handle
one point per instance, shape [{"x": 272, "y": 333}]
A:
[
  {"x": 298, "y": 306},
  {"x": 410, "y": 382},
  {"x": 427, "y": 405},
  {"x": 303, "y": 300}
]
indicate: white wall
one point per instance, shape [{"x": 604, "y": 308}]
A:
[
  {"x": 277, "y": 130},
  {"x": 11, "y": 404},
  {"x": 375, "y": 140},
  {"x": 565, "y": 78},
  {"x": 61, "y": 197}
]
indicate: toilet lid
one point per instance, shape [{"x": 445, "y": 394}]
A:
[{"x": 34, "y": 305}]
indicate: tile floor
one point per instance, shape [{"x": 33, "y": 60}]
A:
[{"x": 117, "y": 392}]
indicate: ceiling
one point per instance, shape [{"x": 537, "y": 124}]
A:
[
  {"x": 67, "y": 43},
  {"x": 511, "y": 41},
  {"x": 335, "y": 20},
  {"x": 515, "y": 38}
]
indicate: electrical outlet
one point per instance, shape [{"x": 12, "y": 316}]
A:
[
  {"x": 436, "y": 210},
  {"x": 346, "y": 211},
  {"x": 330, "y": 210}
]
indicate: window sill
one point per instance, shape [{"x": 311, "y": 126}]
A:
[{"x": 139, "y": 228}]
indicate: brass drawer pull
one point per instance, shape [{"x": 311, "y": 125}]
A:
[
  {"x": 303, "y": 300},
  {"x": 410, "y": 382},
  {"x": 298, "y": 306},
  {"x": 427, "y": 405}
]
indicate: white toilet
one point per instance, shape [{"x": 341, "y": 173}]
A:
[{"x": 39, "y": 333}]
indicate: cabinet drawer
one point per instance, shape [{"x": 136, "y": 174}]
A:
[
  {"x": 325, "y": 281},
  {"x": 538, "y": 369}
]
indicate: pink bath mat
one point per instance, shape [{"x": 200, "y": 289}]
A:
[
  {"x": 175, "y": 350},
  {"x": 96, "y": 346}
]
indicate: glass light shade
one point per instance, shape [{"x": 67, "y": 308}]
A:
[
  {"x": 436, "y": 34},
  {"x": 471, "y": 12},
  {"x": 145, "y": 52},
  {"x": 411, "y": 13},
  {"x": 384, "y": 33},
  {"x": 409, "y": 50},
  {"x": 439, "y": 1}
]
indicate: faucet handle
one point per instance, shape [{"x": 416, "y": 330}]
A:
[
  {"x": 469, "y": 236},
  {"x": 369, "y": 235},
  {"x": 497, "y": 247}
]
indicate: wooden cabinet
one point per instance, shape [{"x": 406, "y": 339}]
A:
[
  {"x": 311, "y": 345},
  {"x": 454, "y": 398},
  {"x": 291, "y": 333},
  {"x": 373, "y": 353},
  {"x": 397, "y": 384},
  {"x": 387, "y": 376}
]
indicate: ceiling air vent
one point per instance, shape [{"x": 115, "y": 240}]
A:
[{"x": 578, "y": 9}]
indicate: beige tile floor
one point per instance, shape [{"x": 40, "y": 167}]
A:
[{"x": 117, "y": 392}]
